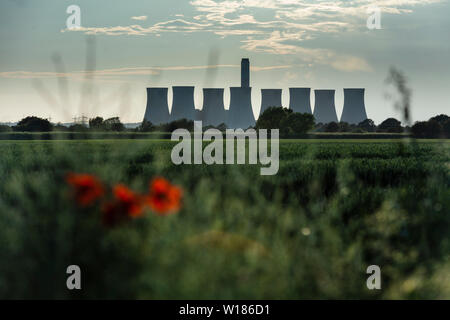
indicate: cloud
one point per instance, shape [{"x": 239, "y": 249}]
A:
[
  {"x": 350, "y": 64},
  {"x": 176, "y": 25},
  {"x": 126, "y": 71},
  {"x": 139, "y": 18},
  {"x": 286, "y": 26}
]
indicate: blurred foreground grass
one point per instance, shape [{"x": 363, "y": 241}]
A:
[{"x": 333, "y": 209}]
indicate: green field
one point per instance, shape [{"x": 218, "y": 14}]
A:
[{"x": 334, "y": 208}]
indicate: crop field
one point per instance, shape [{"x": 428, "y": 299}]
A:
[{"x": 334, "y": 208}]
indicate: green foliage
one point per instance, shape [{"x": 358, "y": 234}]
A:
[
  {"x": 308, "y": 232},
  {"x": 33, "y": 124},
  {"x": 446, "y": 129},
  {"x": 78, "y": 128},
  {"x": 297, "y": 123},
  {"x": 96, "y": 123},
  {"x": 390, "y": 125},
  {"x": 177, "y": 124},
  {"x": 146, "y": 126},
  {"x": 367, "y": 125},
  {"x": 60, "y": 128},
  {"x": 332, "y": 127},
  {"x": 113, "y": 124},
  {"x": 5, "y": 128},
  {"x": 427, "y": 129},
  {"x": 441, "y": 119},
  {"x": 287, "y": 121},
  {"x": 272, "y": 118},
  {"x": 436, "y": 127}
]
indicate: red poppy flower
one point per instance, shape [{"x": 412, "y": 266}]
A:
[
  {"x": 126, "y": 204},
  {"x": 164, "y": 197},
  {"x": 132, "y": 202},
  {"x": 87, "y": 188}
]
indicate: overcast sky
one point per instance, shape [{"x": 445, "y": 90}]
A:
[{"x": 136, "y": 44}]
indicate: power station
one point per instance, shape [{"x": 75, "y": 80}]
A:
[
  {"x": 300, "y": 100},
  {"x": 240, "y": 112},
  {"x": 270, "y": 98},
  {"x": 157, "y": 111},
  {"x": 324, "y": 109},
  {"x": 213, "y": 112},
  {"x": 183, "y": 106},
  {"x": 354, "y": 109}
]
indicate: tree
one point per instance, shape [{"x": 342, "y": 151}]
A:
[
  {"x": 446, "y": 129},
  {"x": 178, "y": 124},
  {"x": 146, "y": 126},
  {"x": 442, "y": 119},
  {"x": 390, "y": 125},
  {"x": 96, "y": 123},
  {"x": 331, "y": 127},
  {"x": 60, "y": 127},
  {"x": 344, "y": 127},
  {"x": 358, "y": 130},
  {"x": 272, "y": 117},
  {"x": 5, "y": 128},
  {"x": 297, "y": 123},
  {"x": 33, "y": 124},
  {"x": 113, "y": 124},
  {"x": 427, "y": 129},
  {"x": 77, "y": 127},
  {"x": 367, "y": 125}
]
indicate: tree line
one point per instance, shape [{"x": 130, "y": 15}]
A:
[{"x": 289, "y": 123}]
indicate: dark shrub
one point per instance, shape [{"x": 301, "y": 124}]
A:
[
  {"x": 297, "y": 123},
  {"x": 33, "y": 124},
  {"x": 272, "y": 117},
  {"x": 390, "y": 125}
]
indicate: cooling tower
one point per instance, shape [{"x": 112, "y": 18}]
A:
[
  {"x": 157, "y": 111},
  {"x": 240, "y": 114},
  {"x": 324, "y": 108},
  {"x": 270, "y": 98},
  {"x": 354, "y": 108},
  {"x": 300, "y": 100},
  {"x": 183, "y": 106},
  {"x": 245, "y": 73},
  {"x": 213, "y": 112}
]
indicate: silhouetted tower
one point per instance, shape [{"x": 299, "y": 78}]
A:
[
  {"x": 213, "y": 112},
  {"x": 240, "y": 114},
  {"x": 245, "y": 73},
  {"x": 300, "y": 100},
  {"x": 157, "y": 111},
  {"x": 324, "y": 109},
  {"x": 354, "y": 108},
  {"x": 270, "y": 98},
  {"x": 183, "y": 106}
]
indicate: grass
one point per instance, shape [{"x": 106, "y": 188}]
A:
[{"x": 334, "y": 208}]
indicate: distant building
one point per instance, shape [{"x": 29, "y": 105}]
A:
[
  {"x": 300, "y": 100},
  {"x": 183, "y": 106},
  {"x": 245, "y": 73},
  {"x": 157, "y": 111},
  {"x": 354, "y": 110},
  {"x": 324, "y": 109},
  {"x": 240, "y": 112},
  {"x": 213, "y": 112},
  {"x": 270, "y": 98}
]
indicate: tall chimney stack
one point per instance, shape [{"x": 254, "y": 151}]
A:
[{"x": 245, "y": 73}]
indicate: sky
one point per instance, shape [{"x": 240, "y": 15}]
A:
[{"x": 123, "y": 46}]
